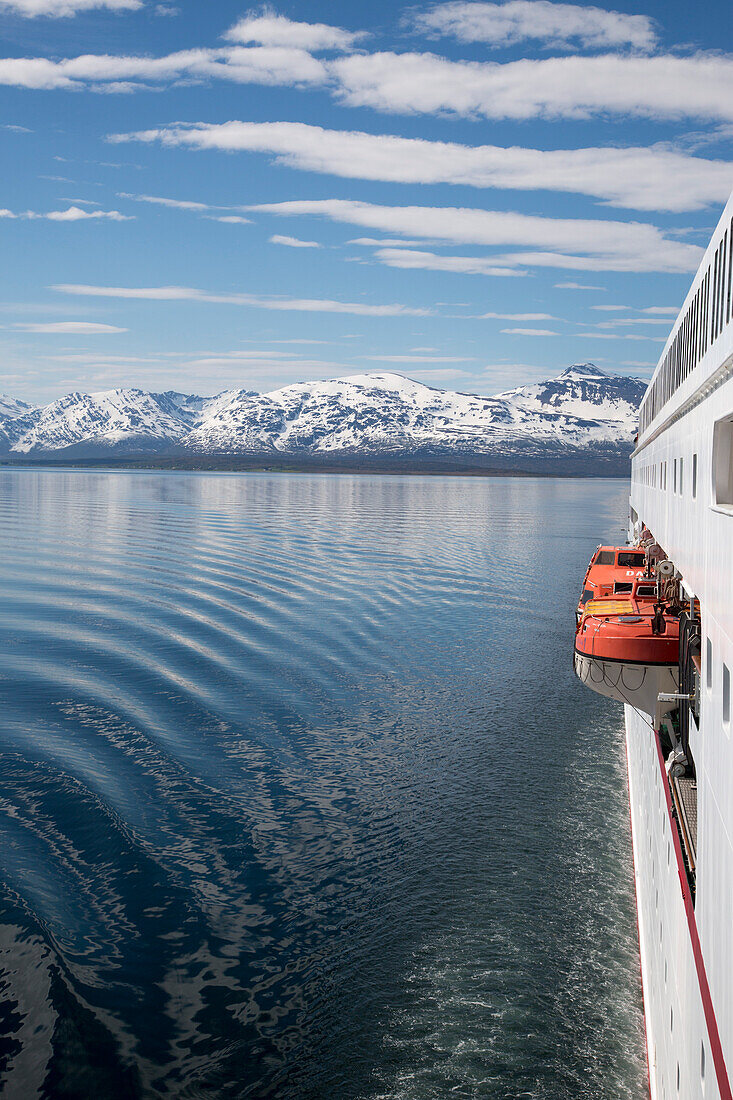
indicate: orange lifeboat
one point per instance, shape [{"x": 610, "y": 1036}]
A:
[
  {"x": 627, "y": 647},
  {"x": 612, "y": 572}
]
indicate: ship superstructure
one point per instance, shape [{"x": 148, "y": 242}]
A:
[{"x": 679, "y": 744}]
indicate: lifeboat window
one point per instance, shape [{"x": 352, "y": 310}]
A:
[
  {"x": 646, "y": 590},
  {"x": 631, "y": 561},
  {"x": 622, "y": 586},
  {"x": 726, "y": 695},
  {"x": 588, "y": 594},
  {"x": 605, "y": 557},
  {"x": 709, "y": 664}
]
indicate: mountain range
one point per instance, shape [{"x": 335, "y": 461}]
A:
[{"x": 582, "y": 421}]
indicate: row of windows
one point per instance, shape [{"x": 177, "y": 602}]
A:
[
  {"x": 655, "y": 475},
  {"x": 706, "y": 315}
]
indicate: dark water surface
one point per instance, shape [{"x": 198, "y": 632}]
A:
[{"x": 299, "y": 797}]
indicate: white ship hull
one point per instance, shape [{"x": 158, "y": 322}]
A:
[{"x": 682, "y": 491}]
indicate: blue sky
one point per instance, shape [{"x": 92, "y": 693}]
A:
[{"x": 207, "y": 196}]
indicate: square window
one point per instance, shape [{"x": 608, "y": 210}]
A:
[{"x": 723, "y": 463}]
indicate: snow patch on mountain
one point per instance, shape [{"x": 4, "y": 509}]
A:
[{"x": 12, "y": 406}]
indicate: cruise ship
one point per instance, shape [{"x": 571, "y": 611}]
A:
[{"x": 655, "y": 630}]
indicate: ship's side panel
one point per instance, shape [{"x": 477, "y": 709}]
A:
[{"x": 681, "y": 1062}]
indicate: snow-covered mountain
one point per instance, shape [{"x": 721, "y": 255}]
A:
[{"x": 582, "y": 410}]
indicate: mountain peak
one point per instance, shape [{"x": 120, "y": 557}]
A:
[{"x": 583, "y": 370}]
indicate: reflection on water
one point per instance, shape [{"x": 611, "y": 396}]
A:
[{"x": 299, "y": 797}]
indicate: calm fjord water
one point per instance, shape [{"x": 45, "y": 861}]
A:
[{"x": 299, "y": 797}]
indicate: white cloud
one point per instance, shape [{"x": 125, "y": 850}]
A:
[
  {"x": 383, "y": 242},
  {"x": 80, "y": 328},
  {"x": 176, "y": 204},
  {"x": 654, "y": 177},
  {"x": 417, "y": 358},
  {"x": 554, "y": 24},
  {"x": 76, "y": 214},
  {"x": 270, "y": 29},
  {"x": 413, "y": 259},
  {"x": 530, "y": 332},
  {"x": 100, "y": 72},
  {"x": 665, "y": 86},
  {"x": 293, "y": 242},
  {"x": 620, "y": 336},
  {"x": 576, "y": 286},
  {"x": 189, "y": 294},
  {"x": 72, "y": 214},
  {"x": 604, "y": 245},
  {"x": 519, "y": 316},
  {"x": 622, "y": 321},
  {"x": 232, "y": 219},
  {"x": 669, "y": 310},
  {"x": 32, "y": 8}
]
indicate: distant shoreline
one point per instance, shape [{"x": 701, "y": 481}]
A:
[{"x": 546, "y": 468}]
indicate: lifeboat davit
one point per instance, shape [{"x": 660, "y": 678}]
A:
[{"x": 627, "y": 647}]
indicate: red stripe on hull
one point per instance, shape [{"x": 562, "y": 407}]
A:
[{"x": 716, "y": 1049}]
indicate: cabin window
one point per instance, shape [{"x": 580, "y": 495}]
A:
[
  {"x": 606, "y": 557},
  {"x": 726, "y": 695},
  {"x": 622, "y": 586},
  {"x": 723, "y": 463},
  {"x": 588, "y": 594},
  {"x": 631, "y": 561},
  {"x": 674, "y": 477},
  {"x": 702, "y": 1063},
  {"x": 694, "y": 476},
  {"x": 709, "y": 664},
  {"x": 682, "y": 466}
]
